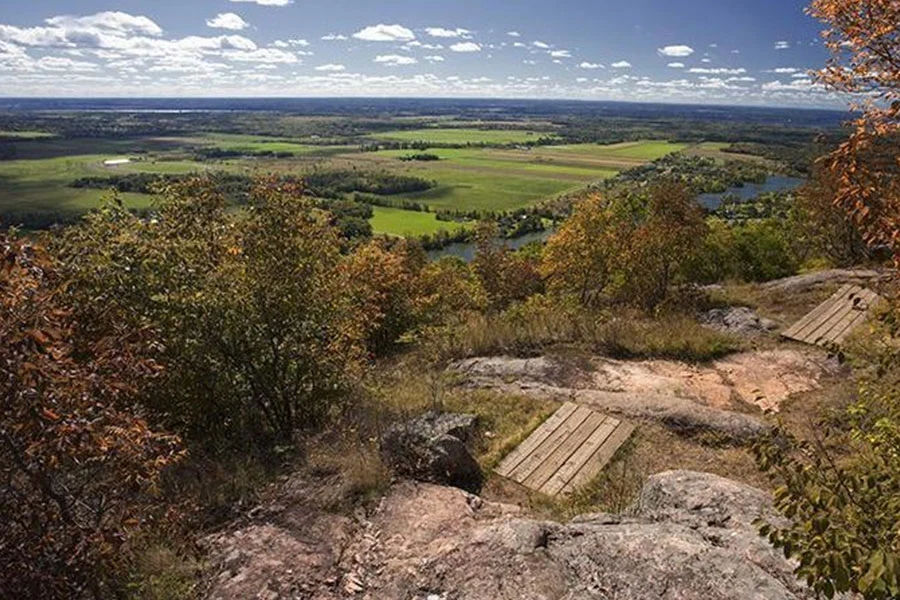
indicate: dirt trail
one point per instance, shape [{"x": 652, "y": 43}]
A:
[{"x": 727, "y": 396}]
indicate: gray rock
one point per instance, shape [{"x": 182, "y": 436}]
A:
[
  {"x": 433, "y": 448},
  {"x": 808, "y": 281},
  {"x": 739, "y": 320}
]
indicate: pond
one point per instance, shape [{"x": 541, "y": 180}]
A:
[
  {"x": 466, "y": 250},
  {"x": 749, "y": 191}
]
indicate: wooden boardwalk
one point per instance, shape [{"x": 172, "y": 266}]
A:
[
  {"x": 566, "y": 451},
  {"x": 836, "y": 318}
]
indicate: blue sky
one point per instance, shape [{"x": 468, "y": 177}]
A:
[{"x": 702, "y": 51}]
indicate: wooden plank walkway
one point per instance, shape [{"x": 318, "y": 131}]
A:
[
  {"x": 836, "y": 318},
  {"x": 566, "y": 451}
]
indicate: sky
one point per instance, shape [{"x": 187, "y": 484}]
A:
[{"x": 748, "y": 52}]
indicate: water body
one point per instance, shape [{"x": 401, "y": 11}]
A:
[
  {"x": 750, "y": 191},
  {"x": 466, "y": 250}
]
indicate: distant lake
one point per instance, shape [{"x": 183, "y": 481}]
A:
[
  {"x": 749, "y": 191},
  {"x": 466, "y": 251}
]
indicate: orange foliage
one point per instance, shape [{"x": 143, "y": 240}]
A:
[
  {"x": 78, "y": 468},
  {"x": 864, "y": 38}
]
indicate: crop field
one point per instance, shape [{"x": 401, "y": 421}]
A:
[
  {"x": 44, "y": 184},
  {"x": 463, "y": 136},
  {"x": 396, "y": 221}
]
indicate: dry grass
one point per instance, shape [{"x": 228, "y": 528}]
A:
[{"x": 626, "y": 336}]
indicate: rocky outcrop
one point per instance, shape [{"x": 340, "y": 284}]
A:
[
  {"x": 433, "y": 448},
  {"x": 690, "y": 535},
  {"x": 739, "y": 320},
  {"x": 818, "y": 279}
]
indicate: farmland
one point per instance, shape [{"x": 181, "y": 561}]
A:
[
  {"x": 475, "y": 166},
  {"x": 464, "y": 136}
]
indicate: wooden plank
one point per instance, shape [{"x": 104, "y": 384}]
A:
[
  {"x": 565, "y": 474},
  {"x": 829, "y": 308},
  {"x": 598, "y": 460},
  {"x": 537, "y": 437},
  {"x": 847, "y": 309},
  {"x": 563, "y": 452},
  {"x": 794, "y": 330},
  {"x": 809, "y": 333},
  {"x": 851, "y": 327},
  {"x": 856, "y": 318},
  {"x": 546, "y": 448}
]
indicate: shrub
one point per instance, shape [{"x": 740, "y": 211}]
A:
[
  {"x": 258, "y": 330},
  {"x": 80, "y": 466}
]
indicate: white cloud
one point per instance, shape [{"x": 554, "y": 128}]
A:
[
  {"x": 582, "y": 79},
  {"x": 440, "y": 32},
  {"x": 541, "y": 45},
  {"x": 678, "y": 51},
  {"x": 331, "y": 68},
  {"x": 718, "y": 71},
  {"x": 561, "y": 54},
  {"x": 111, "y": 21},
  {"x": 334, "y": 37},
  {"x": 466, "y": 47},
  {"x": 622, "y": 64},
  {"x": 782, "y": 45},
  {"x": 385, "y": 33},
  {"x": 783, "y": 70},
  {"x": 675, "y": 65},
  {"x": 590, "y": 65},
  {"x": 227, "y": 21},
  {"x": 394, "y": 60},
  {"x": 705, "y": 61},
  {"x": 741, "y": 79},
  {"x": 267, "y": 2},
  {"x": 513, "y": 34},
  {"x": 434, "y": 58}
]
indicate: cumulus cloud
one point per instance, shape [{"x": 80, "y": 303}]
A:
[
  {"x": 590, "y": 65},
  {"x": 675, "y": 65},
  {"x": 678, "y": 51},
  {"x": 466, "y": 47},
  {"x": 782, "y": 45},
  {"x": 434, "y": 58},
  {"x": 622, "y": 64},
  {"x": 112, "y": 21},
  {"x": 440, "y": 32},
  {"x": 333, "y": 37},
  {"x": 267, "y": 2},
  {"x": 561, "y": 54},
  {"x": 395, "y": 60},
  {"x": 385, "y": 33},
  {"x": 331, "y": 68},
  {"x": 783, "y": 70},
  {"x": 513, "y": 34},
  {"x": 541, "y": 45},
  {"x": 227, "y": 21},
  {"x": 717, "y": 71}
]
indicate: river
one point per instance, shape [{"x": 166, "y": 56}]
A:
[{"x": 749, "y": 191}]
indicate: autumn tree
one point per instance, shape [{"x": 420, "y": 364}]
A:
[
  {"x": 842, "y": 506},
  {"x": 506, "y": 276},
  {"x": 582, "y": 257},
  {"x": 78, "y": 465}
]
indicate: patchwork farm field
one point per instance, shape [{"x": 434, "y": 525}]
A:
[
  {"x": 468, "y": 179},
  {"x": 463, "y": 136}
]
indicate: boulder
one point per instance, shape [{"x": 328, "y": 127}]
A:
[
  {"x": 738, "y": 320},
  {"x": 434, "y": 448}
]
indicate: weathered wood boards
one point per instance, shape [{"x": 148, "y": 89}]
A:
[
  {"x": 836, "y": 318},
  {"x": 566, "y": 451}
]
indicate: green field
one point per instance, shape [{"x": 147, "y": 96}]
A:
[
  {"x": 646, "y": 150},
  {"x": 43, "y": 185},
  {"x": 463, "y": 136},
  {"x": 395, "y": 221},
  {"x": 252, "y": 143}
]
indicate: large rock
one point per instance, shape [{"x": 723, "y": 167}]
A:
[
  {"x": 433, "y": 448},
  {"x": 819, "y": 279},
  {"x": 689, "y": 535},
  {"x": 738, "y": 320}
]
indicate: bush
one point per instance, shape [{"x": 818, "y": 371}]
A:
[
  {"x": 80, "y": 466},
  {"x": 257, "y": 328}
]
